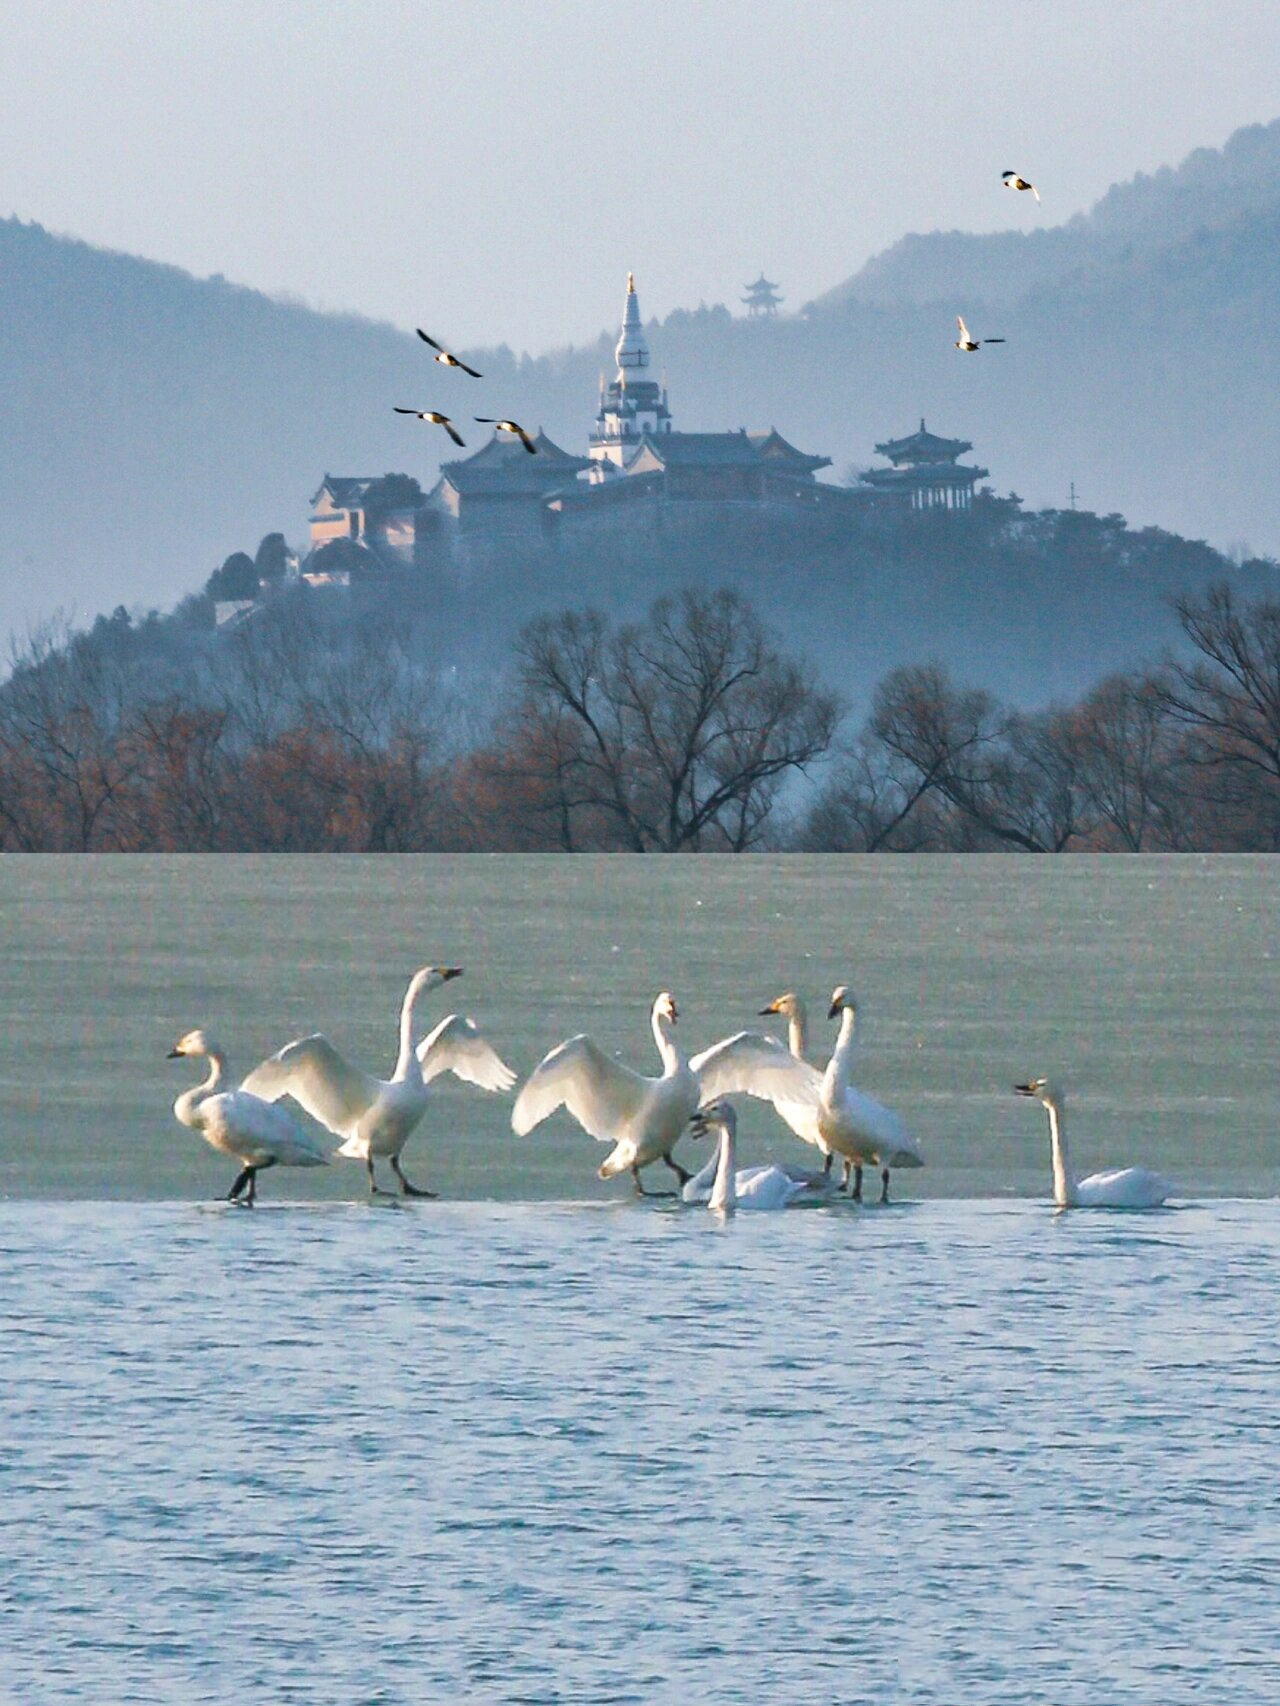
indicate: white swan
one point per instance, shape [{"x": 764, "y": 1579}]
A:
[
  {"x": 240, "y": 1124},
  {"x": 823, "y": 1108},
  {"x": 722, "y": 1185},
  {"x": 1120, "y": 1187},
  {"x": 375, "y": 1116},
  {"x": 641, "y": 1117}
]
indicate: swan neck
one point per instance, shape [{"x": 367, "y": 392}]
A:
[
  {"x": 798, "y": 1033},
  {"x": 407, "y": 1064},
  {"x": 187, "y": 1104},
  {"x": 666, "y": 1044},
  {"x": 1064, "y": 1180},
  {"x": 842, "y": 1060},
  {"x": 724, "y": 1194}
]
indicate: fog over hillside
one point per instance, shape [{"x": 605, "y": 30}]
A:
[{"x": 152, "y": 422}]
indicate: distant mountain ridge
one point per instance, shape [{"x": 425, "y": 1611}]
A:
[
  {"x": 152, "y": 423},
  {"x": 1211, "y": 190}
]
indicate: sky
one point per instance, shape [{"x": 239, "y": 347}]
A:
[{"x": 491, "y": 169}]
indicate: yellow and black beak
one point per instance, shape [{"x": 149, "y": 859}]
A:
[
  {"x": 1025, "y": 1089},
  {"x": 446, "y": 972},
  {"x": 174, "y": 1054}
]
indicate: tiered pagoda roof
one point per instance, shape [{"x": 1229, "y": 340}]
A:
[
  {"x": 923, "y": 446},
  {"x": 503, "y": 467}
]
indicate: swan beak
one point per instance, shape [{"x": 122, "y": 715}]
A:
[
  {"x": 174, "y": 1054},
  {"x": 833, "y": 1012},
  {"x": 771, "y": 1008},
  {"x": 446, "y": 972},
  {"x": 1025, "y": 1089}
]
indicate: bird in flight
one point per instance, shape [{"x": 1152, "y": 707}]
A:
[
  {"x": 966, "y": 342},
  {"x": 445, "y": 357},
  {"x": 510, "y": 426},
  {"x": 1012, "y": 181},
  {"x": 436, "y": 420}
]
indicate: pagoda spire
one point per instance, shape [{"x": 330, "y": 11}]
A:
[{"x": 632, "y": 352}]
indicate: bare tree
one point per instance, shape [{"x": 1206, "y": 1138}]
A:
[
  {"x": 65, "y": 763},
  {"x": 1228, "y": 701},
  {"x": 1129, "y": 754},
  {"x": 677, "y": 732}
]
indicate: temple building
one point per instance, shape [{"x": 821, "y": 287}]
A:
[
  {"x": 633, "y": 406},
  {"x": 501, "y": 488},
  {"x": 639, "y": 479},
  {"x": 926, "y": 471},
  {"x": 762, "y": 299}
]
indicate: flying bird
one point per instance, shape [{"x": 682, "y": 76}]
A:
[
  {"x": 445, "y": 357},
  {"x": 509, "y": 426},
  {"x": 1012, "y": 181},
  {"x": 436, "y": 419},
  {"x": 966, "y": 342}
]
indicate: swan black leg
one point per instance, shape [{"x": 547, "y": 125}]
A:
[
  {"x": 406, "y": 1189},
  {"x": 375, "y": 1189},
  {"x": 857, "y": 1183},
  {"x": 243, "y": 1178},
  {"x": 678, "y": 1170},
  {"x": 884, "y": 1185},
  {"x": 640, "y": 1190},
  {"x": 826, "y": 1166}
]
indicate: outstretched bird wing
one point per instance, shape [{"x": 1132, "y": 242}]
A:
[
  {"x": 431, "y": 341},
  {"x": 964, "y": 330},
  {"x": 453, "y": 433},
  {"x": 317, "y": 1077},
  {"x": 602, "y": 1095},
  {"x": 456, "y": 1046},
  {"x": 756, "y": 1065}
]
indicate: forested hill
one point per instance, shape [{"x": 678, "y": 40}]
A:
[{"x": 152, "y": 423}]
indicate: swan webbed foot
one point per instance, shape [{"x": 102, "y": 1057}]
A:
[
  {"x": 640, "y": 1190},
  {"x": 407, "y": 1189},
  {"x": 678, "y": 1170},
  {"x": 884, "y": 1185}
]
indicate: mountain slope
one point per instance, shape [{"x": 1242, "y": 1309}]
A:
[{"x": 151, "y": 423}]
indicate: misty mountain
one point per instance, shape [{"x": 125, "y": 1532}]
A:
[{"x": 152, "y": 423}]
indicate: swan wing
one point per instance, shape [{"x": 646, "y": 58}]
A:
[
  {"x": 260, "y": 1133},
  {"x": 456, "y": 1046},
  {"x": 766, "y": 1188},
  {"x": 753, "y": 1064},
  {"x": 604, "y": 1097},
  {"x": 964, "y": 330},
  {"x": 881, "y": 1128},
  {"x": 317, "y": 1077},
  {"x": 1124, "y": 1187}
]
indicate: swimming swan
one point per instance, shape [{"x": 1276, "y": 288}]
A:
[
  {"x": 724, "y": 1186},
  {"x": 641, "y": 1117},
  {"x": 240, "y": 1124},
  {"x": 823, "y": 1108},
  {"x": 1121, "y": 1187},
  {"x": 376, "y": 1116}
]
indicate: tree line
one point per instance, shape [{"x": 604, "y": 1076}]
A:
[{"x": 691, "y": 730}]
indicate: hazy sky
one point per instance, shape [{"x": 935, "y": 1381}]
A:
[{"x": 491, "y": 170}]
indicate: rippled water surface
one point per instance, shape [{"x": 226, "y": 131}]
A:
[
  {"x": 940, "y": 1452},
  {"x": 539, "y": 1442}
]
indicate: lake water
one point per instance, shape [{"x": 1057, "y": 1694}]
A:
[
  {"x": 939, "y": 1452},
  {"x": 542, "y": 1442}
]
